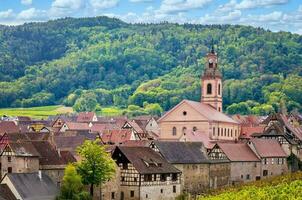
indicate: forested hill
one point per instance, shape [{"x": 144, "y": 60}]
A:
[{"x": 108, "y": 62}]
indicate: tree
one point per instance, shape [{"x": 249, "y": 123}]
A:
[
  {"x": 96, "y": 165},
  {"x": 72, "y": 187},
  {"x": 87, "y": 102},
  {"x": 239, "y": 108}
]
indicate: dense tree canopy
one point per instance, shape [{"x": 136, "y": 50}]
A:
[{"x": 63, "y": 60}]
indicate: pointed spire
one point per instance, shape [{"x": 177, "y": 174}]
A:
[{"x": 212, "y": 44}]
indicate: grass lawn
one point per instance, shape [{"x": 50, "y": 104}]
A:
[{"x": 36, "y": 112}]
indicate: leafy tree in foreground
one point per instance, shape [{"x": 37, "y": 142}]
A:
[
  {"x": 96, "y": 165},
  {"x": 72, "y": 187}
]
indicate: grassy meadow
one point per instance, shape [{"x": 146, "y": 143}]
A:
[{"x": 36, "y": 112}]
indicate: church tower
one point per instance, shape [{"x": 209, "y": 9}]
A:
[{"x": 211, "y": 81}]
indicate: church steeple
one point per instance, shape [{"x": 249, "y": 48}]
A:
[{"x": 211, "y": 81}]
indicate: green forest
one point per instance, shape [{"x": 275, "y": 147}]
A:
[{"x": 93, "y": 63}]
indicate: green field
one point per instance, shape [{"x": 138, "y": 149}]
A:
[
  {"x": 36, "y": 112},
  {"x": 44, "y": 111}
]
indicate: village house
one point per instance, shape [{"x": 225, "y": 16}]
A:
[
  {"x": 205, "y": 116},
  {"x": 144, "y": 174},
  {"x": 8, "y": 127},
  {"x": 87, "y": 117},
  {"x": 245, "y": 165},
  {"x": 74, "y": 126},
  {"x": 117, "y": 137},
  {"x": 198, "y": 172},
  {"x": 25, "y": 186},
  {"x": 279, "y": 127},
  {"x": 273, "y": 157},
  {"x": 17, "y": 155},
  {"x": 52, "y": 162}
]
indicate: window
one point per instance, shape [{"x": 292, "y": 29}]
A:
[
  {"x": 218, "y": 131},
  {"x": 135, "y": 179},
  {"x": 213, "y": 131},
  {"x": 247, "y": 177},
  {"x": 228, "y": 132},
  {"x": 131, "y": 193},
  {"x": 235, "y": 133},
  {"x": 265, "y": 172},
  {"x": 125, "y": 165},
  {"x": 112, "y": 195},
  {"x": 219, "y": 89},
  {"x": 184, "y": 130},
  {"x": 264, "y": 161},
  {"x": 146, "y": 196},
  {"x": 148, "y": 177},
  {"x": 123, "y": 178},
  {"x": 209, "y": 88},
  {"x": 225, "y": 132},
  {"x": 231, "y": 132},
  {"x": 174, "y": 131},
  {"x": 174, "y": 189},
  {"x": 9, "y": 170},
  {"x": 219, "y": 109},
  {"x": 282, "y": 161},
  {"x": 221, "y": 131},
  {"x": 194, "y": 128},
  {"x": 184, "y": 113},
  {"x": 174, "y": 177},
  {"x": 163, "y": 177},
  {"x": 161, "y": 191},
  {"x": 272, "y": 161},
  {"x": 9, "y": 159},
  {"x": 241, "y": 176}
]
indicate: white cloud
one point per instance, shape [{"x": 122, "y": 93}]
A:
[
  {"x": 221, "y": 19},
  {"x": 103, "y": 4},
  {"x": 26, "y": 2},
  {"x": 61, "y": 8},
  {"x": 32, "y": 14},
  {"x": 248, "y": 4},
  {"x": 8, "y": 14},
  {"x": 174, "y": 6}
]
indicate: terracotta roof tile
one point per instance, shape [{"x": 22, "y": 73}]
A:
[
  {"x": 85, "y": 116},
  {"x": 8, "y": 127},
  {"x": 238, "y": 152},
  {"x": 77, "y": 126},
  {"x": 116, "y": 136},
  {"x": 267, "y": 148}
]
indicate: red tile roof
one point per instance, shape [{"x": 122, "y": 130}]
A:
[
  {"x": 77, "y": 126},
  {"x": 205, "y": 110},
  {"x": 268, "y": 148},
  {"x": 238, "y": 152},
  {"x": 85, "y": 116},
  {"x": 8, "y": 127},
  {"x": 115, "y": 136}
]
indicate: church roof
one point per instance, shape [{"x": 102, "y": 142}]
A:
[{"x": 205, "y": 110}]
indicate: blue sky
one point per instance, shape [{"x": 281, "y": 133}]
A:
[{"x": 275, "y": 15}]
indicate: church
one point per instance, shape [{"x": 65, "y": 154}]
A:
[{"x": 204, "y": 119}]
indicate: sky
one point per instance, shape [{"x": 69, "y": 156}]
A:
[{"x": 275, "y": 15}]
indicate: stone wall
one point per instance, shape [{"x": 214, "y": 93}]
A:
[{"x": 244, "y": 171}]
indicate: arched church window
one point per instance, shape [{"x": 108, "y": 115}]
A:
[
  {"x": 213, "y": 131},
  {"x": 184, "y": 129},
  {"x": 174, "y": 131},
  {"x": 219, "y": 89},
  {"x": 209, "y": 88},
  {"x": 221, "y": 131},
  {"x": 194, "y": 128},
  {"x": 218, "y": 132}
]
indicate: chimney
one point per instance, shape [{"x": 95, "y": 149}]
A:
[{"x": 40, "y": 174}]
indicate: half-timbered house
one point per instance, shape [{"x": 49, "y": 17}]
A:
[
  {"x": 245, "y": 165},
  {"x": 144, "y": 174}
]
